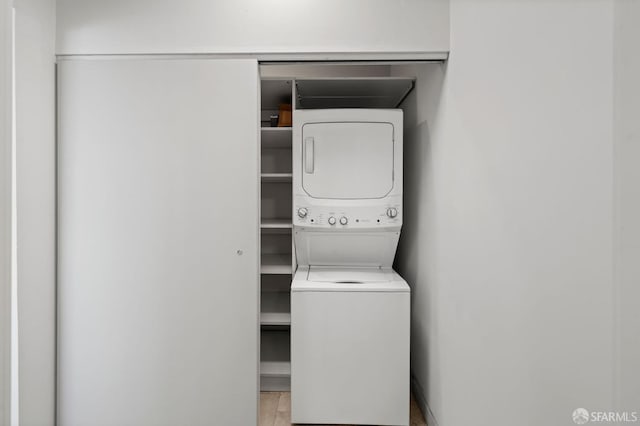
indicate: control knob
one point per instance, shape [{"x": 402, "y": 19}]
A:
[
  {"x": 344, "y": 220},
  {"x": 331, "y": 220},
  {"x": 302, "y": 212},
  {"x": 392, "y": 212}
]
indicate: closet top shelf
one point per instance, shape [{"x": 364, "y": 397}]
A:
[{"x": 352, "y": 92}]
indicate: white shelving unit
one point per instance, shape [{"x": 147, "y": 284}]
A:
[
  {"x": 276, "y": 308},
  {"x": 277, "y": 374},
  {"x": 276, "y": 177},
  {"x": 276, "y": 224},
  {"x": 352, "y": 92},
  {"x": 275, "y": 318},
  {"x": 276, "y": 137},
  {"x": 275, "y": 368},
  {"x": 275, "y": 263},
  {"x": 276, "y": 227}
]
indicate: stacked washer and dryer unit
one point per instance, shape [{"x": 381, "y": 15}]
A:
[{"x": 350, "y": 312}]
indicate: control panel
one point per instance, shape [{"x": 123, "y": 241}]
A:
[{"x": 347, "y": 217}]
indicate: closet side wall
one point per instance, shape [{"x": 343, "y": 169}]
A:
[{"x": 508, "y": 228}]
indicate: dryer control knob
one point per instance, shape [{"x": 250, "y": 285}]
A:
[
  {"x": 344, "y": 220},
  {"x": 331, "y": 220},
  {"x": 302, "y": 212},
  {"x": 392, "y": 212}
]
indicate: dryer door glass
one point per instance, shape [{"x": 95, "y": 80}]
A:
[{"x": 352, "y": 160}]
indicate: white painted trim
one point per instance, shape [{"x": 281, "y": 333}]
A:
[
  {"x": 6, "y": 65},
  {"x": 324, "y": 57},
  {"x": 34, "y": 40}
]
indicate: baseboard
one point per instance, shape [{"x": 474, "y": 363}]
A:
[{"x": 418, "y": 394}]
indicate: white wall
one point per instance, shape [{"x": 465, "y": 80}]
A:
[
  {"x": 253, "y": 26},
  {"x": 5, "y": 209},
  {"x": 508, "y": 233},
  {"x": 510, "y": 249},
  {"x": 627, "y": 198},
  {"x": 35, "y": 133}
]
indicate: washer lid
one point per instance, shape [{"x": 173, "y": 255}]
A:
[
  {"x": 349, "y": 275},
  {"x": 369, "y": 280}
]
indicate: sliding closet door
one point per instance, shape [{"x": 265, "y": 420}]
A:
[{"x": 158, "y": 242}]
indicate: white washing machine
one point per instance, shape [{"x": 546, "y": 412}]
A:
[
  {"x": 350, "y": 312},
  {"x": 349, "y": 346}
]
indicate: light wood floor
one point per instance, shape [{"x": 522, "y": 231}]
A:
[{"x": 275, "y": 410}]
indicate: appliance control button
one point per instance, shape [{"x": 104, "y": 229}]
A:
[
  {"x": 392, "y": 212},
  {"x": 302, "y": 212},
  {"x": 344, "y": 220},
  {"x": 331, "y": 220}
]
